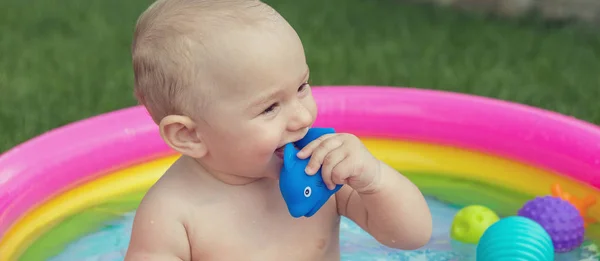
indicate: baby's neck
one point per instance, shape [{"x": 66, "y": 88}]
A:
[
  {"x": 234, "y": 180},
  {"x": 228, "y": 179}
]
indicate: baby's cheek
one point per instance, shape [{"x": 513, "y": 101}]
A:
[{"x": 260, "y": 152}]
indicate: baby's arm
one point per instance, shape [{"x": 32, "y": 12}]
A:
[
  {"x": 394, "y": 212},
  {"x": 158, "y": 234}
]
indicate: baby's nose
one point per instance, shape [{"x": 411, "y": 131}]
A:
[{"x": 301, "y": 119}]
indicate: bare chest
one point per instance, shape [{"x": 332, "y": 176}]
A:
[{"x": 267, "y": 232}]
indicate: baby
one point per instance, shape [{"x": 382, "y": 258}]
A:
[{"x": 227, "y": 83}]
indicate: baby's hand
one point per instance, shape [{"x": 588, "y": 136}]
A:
[{"x": 344, "y": 160}]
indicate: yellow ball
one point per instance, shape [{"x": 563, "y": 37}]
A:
[{"x": 470, "y": 223}]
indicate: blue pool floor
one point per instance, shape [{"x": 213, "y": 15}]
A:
[{"x": 110, "y": 243}]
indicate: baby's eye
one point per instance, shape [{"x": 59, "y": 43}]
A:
[
  {"x": 270, "y": 109},
  {"x": 303, "y": 87},
  {"x": 307, "y": 192}
]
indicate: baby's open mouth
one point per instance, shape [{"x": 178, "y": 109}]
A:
[{"x": 279, "y": 152}]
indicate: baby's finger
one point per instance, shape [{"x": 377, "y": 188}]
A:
[
  {"x": 329, "y": 163},
  {"x": 310, "y": 147},
  {"x": 342, "y": 171},
  {"x": 319, "y": 153}
]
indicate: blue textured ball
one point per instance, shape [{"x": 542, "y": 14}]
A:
[{"x": 515, "y": 238}]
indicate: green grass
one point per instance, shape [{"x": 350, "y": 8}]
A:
[{"x": 63, "y": 62}]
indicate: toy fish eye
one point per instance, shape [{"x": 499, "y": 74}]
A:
[{"x": 307, "y": 192}]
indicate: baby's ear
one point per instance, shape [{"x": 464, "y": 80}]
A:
[{"x": 179, "y": 132}]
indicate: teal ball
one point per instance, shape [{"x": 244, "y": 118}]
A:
[{"x": 515, "y": 238}]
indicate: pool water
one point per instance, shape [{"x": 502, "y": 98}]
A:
[{"x": 110, "y": 243}]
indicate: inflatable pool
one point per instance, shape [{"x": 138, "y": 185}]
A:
[{"x": 86, "y": 179}]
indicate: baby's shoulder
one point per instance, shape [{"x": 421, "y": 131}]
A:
[
  {"x": 162, "y": 198},
  {"x": 171, "y": 188},
  {"x": 177, "y": 191}
]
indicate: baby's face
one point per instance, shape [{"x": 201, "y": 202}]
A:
[{"x": 262, "y": 101}]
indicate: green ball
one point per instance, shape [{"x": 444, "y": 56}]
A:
[{"x": 470, "y": 223}]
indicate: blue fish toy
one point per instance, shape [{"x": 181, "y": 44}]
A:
[{"x": 303, "y": 194}]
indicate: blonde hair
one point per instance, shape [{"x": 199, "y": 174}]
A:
[{"x": 168, "y": 43}]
